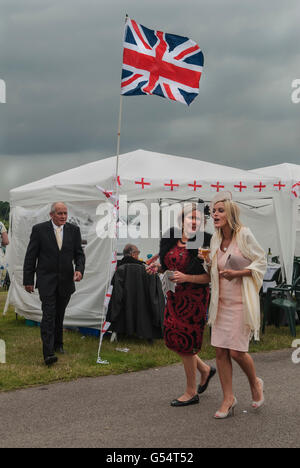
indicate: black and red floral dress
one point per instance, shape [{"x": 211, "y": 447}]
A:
[{"x": 186, "y": 309}]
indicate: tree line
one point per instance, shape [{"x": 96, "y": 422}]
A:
[{"x": 4, "y": 212}]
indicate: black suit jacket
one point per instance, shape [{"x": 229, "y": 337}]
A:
[{"x": 53, "y": 267}]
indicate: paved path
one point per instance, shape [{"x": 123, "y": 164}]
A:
[{"x": 132, "y": 411}]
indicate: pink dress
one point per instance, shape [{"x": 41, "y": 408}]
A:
[{"x": 230, "y": 330}]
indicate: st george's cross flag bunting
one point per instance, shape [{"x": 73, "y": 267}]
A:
[
  {"x": 159, "y": 63},
  {"x": 296, "y": 190}
]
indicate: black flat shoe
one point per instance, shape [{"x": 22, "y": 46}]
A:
[
  {"x": 60, "y": 350},
  {"x": 203, "y": 388},
  {"x": 192, "y": 401},
  {"x": 50, "y": 360}
]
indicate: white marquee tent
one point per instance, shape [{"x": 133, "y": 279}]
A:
[
  {"x": 288, "y": 175},
  {"x": 30, "y": 204}
]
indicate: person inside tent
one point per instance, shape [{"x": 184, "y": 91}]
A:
[
  {"x": 3, "y": 243},
  {"x": 130, "y": 255},
  {"x": 3, "y": 236}
]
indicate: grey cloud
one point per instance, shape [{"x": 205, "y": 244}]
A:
[{"x": 62, "y": 64}]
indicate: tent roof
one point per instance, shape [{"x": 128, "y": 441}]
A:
[
  {"x": 286, "y": 171},
  {"x": 155, "y": 167}
]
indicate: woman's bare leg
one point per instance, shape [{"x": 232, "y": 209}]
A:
[
  {"x": 225, "y": 371},
  {"x": 246, "y": 363},
  {"x": 204, "y": 370},
  {"x": 190, "y": 368}
]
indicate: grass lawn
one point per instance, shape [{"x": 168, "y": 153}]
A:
[{"x": 25, "y": 366}]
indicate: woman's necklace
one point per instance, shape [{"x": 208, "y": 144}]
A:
[{"x": 225, "y": 248}]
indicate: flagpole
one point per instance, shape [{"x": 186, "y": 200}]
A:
[
  {"x": 119, "y": 132},
  {"x": 116, "y": 207},
  {"x": 119, "y": 127},
  {"x": 118, "y": 157}
]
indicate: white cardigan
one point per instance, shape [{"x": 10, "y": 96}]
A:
[{"x": 251, "y": 285}]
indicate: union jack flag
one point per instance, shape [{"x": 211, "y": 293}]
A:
[{"x": 158, "y": 63}]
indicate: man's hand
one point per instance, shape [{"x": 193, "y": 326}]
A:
[
  {"x": 29, "y": 289},
  {"x": 77, "y": 276}
]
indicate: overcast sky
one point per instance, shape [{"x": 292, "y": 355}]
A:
[{"x": 61, "y": 61}]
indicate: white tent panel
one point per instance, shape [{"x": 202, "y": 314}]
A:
[
  {"x": 297, "y": 250},
  {"x": 286, "y": 174},
  {"x": 262, "y": 222}
]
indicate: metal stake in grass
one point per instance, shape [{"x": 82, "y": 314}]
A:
[
  {"x": 101, "y": 361},
  {"x": 2, "y": 352}
]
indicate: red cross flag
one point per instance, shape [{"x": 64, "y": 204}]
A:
[
  {"x": 108, "y": 297},
  {"x": 105, "y": 327},
  {"x": 296, "y": 190},
  {"x": 107, "y": 193},
  {"x": 259, "y": 187},
  {"x": 279, "y": 186},
  {"x": 113, "y": 264},
  {"x": 143, "y": 183},
  {"x": 218, "y": 187},
  {"x": 240, "y": 187},
  {"x": 171, "y": 186},
  {"x": 195, "y": 186}
]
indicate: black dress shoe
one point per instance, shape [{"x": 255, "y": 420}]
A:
[
  {"x": 203, "y": 388},
  {"x": 192, "y": 401},
  {"x": 60, "y": 350},
  {"x": 50, "y": 360}
]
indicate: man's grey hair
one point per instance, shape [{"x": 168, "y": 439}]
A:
[
  {"x": 128, "y": 249},
  {"x": 53, "y": 206}
]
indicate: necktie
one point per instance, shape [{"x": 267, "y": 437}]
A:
[{"x": 58, "y": 237}]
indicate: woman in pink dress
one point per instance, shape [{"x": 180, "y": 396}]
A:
[{"x": 234, "y": 310}]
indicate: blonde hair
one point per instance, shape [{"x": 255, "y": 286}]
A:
[{"x": 233, "y": 212}]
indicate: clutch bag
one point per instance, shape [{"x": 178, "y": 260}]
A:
[
  {"x": 237, "y": 263},
  {"x": 167, "y": 284}
]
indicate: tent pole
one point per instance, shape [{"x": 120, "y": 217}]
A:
[{"x": 160, "y": 218}]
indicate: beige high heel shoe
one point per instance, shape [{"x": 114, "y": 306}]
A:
[
  {"x": 230, "y": 412},
  {"x": 258, "y": 404}
]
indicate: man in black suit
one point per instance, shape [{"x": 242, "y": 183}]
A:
[{"x": 53, "y": 248}]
